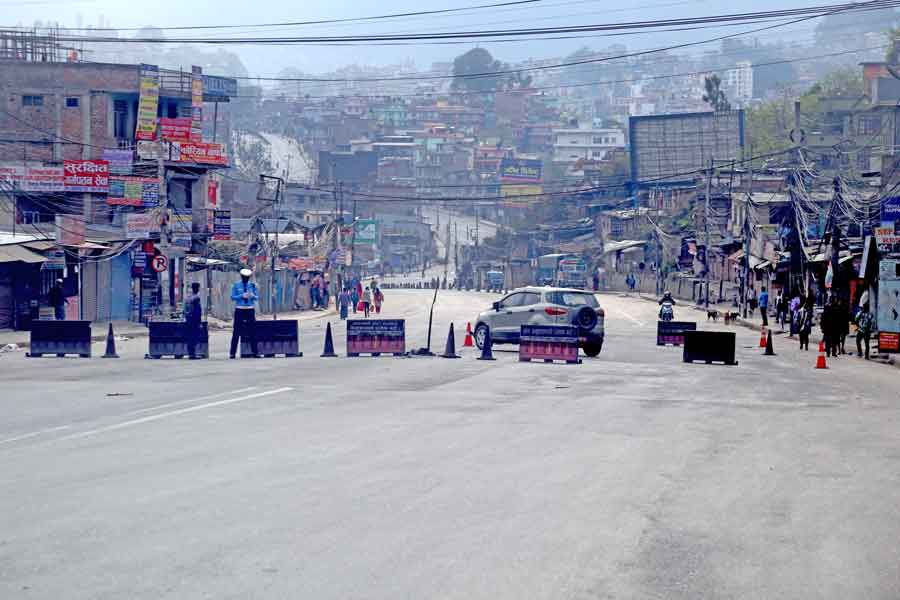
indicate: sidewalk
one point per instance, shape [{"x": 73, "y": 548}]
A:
[
  {"x": 127, "y": 329},
  {"x": 755, "y": 323}
]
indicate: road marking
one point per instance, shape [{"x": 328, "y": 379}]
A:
[
  {"x": 33, "y": 434},
  {"x": 181, "y": 402},
  {"x": 638, "y": 322},
  {"x": 173, "y": 413}
]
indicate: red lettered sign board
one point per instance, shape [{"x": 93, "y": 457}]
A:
[{"x": 548, "y": 342}]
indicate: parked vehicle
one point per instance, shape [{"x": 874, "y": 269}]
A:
[{"x": 544, "y": 306}]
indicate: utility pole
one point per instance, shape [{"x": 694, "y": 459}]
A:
[
  {"x": 163, "y": 216},
  {"x": 835, "y": 241},
  {"x": 747, "y": 233},
  {"x": 706, "y": 229},
  {"x": 276, "y": 209}
]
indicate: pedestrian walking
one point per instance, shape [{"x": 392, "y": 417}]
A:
[
  {"x": 596, "y": 281},
  {"x": 804, "y": 322},
  {"x": 367, "y": 300},
  {"x": 57, "y": 299},
  {"x": 794, "y": 308},
  {"x": 830, "y": 328},
  {"x": 865, "y": 322},
  {"x": 244, "y": 295},
  {"x": 344, "y": 300},
  {"x": 193, "y": 317},
  {"x": 763, "y": 302},
  {"x": 355, "y": 292},
  {"x": 844, "y": 317},
  {"x": 378, "y": 300},
  {"x": 314, "y": 291}
]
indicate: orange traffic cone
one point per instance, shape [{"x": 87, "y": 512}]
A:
[
  {"x": 762, "y": 338},
  {"x": 468, "y": 343},
  {"x": 820, "y": 362}
]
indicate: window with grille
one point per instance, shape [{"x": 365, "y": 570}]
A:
[
  {"x": 32, "y": 100},
  {"x": 72, "y": 102}
]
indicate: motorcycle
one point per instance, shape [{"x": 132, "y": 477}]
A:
[{"x": 667, "y": 312}]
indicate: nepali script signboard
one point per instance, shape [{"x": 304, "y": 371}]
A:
[
  {"x": 148, "y": 101},
  {"x": 548, "y": 343},
  {"x": 376, "y": 336},
  {"x": 86, "y": 176}
]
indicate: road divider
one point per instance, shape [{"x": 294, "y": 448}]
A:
[
  {"x": 710, "y": 347},
  {"x": 672, "y": 332},
  {"x": 549, "y": 343},
  {"x": 60, "y": 338},
  {"x": 170, "y": 338},
  {"x": 274, "y": 338}
]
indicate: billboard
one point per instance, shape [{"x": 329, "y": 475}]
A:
[
  {"x": 196, "y": 104},
  {"x": 140, "y": 226},
  {"x": 175, "y": 130},
  {"x": 133, "y": 191},
  {"x": 521, "y": 170},
  {"x": 669, "y": 149},
  {"x": 86, "y": 176},
  {"x": 33, "y": 178},
  {"x": 199, "y": 152},
  {"x": 120, "y": 161},
  {"x": 890, "y": 210},
  {"x": 222, "y": 225},
  {"x": 366, "y": 231},
  {"x": 148, "y": 102}
]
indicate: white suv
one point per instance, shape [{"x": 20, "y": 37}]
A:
[{"x": 544, "y": 306}]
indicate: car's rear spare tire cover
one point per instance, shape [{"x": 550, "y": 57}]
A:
[{"x": 585, "y": 317}]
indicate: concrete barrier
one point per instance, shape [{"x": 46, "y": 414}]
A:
[
  {"x": 169, "y": 338},
  {"x": 60, "y": 338},
  {"x": 672, "y": 332},
  {"x": 274, "y": 338},
  {"x": 710, "y": 347}
]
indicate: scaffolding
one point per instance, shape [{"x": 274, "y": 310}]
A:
[{"x": 30, "y": 46}]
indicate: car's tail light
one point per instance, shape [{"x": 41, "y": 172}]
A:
[
  {"x": 601, "y": 313},
  {"x": 555, "y": 312}
]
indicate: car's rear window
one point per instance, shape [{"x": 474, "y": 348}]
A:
[{"x": 572, "y": 299}]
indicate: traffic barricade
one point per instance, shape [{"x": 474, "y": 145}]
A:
[
  {"x": 169, "y": 338},
  {"x": 274, "y": 338},
  {"x": 376, "y": 337},
  {"x": 548, "y": 343},
  {"x": 60, "y": 338},
  {"x": 672, "y": 332},
  {"x": 710, "y": 347}
]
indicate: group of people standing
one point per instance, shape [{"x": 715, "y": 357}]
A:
[
  {"x": 318, "y": 292},
  {"x": 798, "y": 313},
  {"x": 354, "y": 296}
]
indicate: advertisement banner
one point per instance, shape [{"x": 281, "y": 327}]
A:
[
  {"x": 120, "y": 161},
  {"x": 222, "y": 225},
  {"x": 148, "y": 102},
  {"x": 33, "y": 178},
  {"x": 548, "y": 342},
  {"x": 890, "y": 210},
  {"x": 175, "y": 130},
  {"x": 521, "y": 170},
  {"x": 133, "y": 191},
  {"x": 152, "y": 150},
  {"x": 371, "y": 336},
  {"x": 366, "y": 231},
  {"x": 180, "y": 228},
  {"x": 86, "y": 176},
  {"x": 888, "y": 317},
  {"x": 141, "y": 226},
  {"x": 201, "y": 153},
  {"x": 196, "y": 104},
  {"x": 887, "y": 239},
  {"x": 520, "y": 195}
]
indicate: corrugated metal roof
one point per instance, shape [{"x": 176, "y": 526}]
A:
[{"x": 15, "y": 253}]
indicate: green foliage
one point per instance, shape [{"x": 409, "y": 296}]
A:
[
  {"x": 473, "y": 62},
  {"x": 713, "y": 94}
]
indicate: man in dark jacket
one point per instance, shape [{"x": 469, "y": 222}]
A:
[
  {"x": 57, "y": 300},
  {"x": 193, "y": 316}
]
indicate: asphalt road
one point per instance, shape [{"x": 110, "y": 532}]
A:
[{"x": 632, "y": 475}]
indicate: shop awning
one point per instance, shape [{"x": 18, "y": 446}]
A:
[{"x": 15, "y": 253}]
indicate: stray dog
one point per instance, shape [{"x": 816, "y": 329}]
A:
[
  {"x": 712, "y": 314},
  {"x": 731, "y": 317}
]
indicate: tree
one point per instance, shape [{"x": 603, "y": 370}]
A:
[
  {"x": 714, "y": 96},
  {"x": 468, "y": 67}
]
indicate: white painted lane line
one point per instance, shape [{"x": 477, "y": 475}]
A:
[
  {"x": 183, "y": 402},
  {"x": 637, "y": 322},
  {"x": 172, "y": 413},
  {"x": 33, "y": 434}
]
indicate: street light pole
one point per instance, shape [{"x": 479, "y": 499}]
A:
[
  {"x": 276, "y": 209},
  {"x": 706, "y": 228}
]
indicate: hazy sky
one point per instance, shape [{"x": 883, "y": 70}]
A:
[{"x": 269, "y": 60}]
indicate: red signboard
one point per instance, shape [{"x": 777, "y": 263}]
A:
[
  {"x": 888, "y": 342},
  {"x": 86, "y": 176},
  {"x": 175, "y": 130},
  {"x": 202, "y": 152},
  {"x": 548, "y": 343}
]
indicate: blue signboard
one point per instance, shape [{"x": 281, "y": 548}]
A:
[{"x": 890, "y": 210}]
